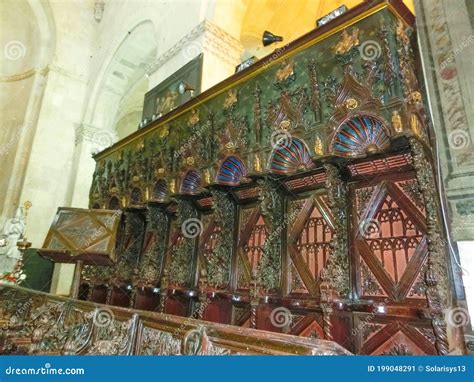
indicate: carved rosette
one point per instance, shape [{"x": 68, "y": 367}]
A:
[
  {"x": 338, "y": 262},
  {"x": 436, "y": 276},
  {"x": 271, "y": 206}
]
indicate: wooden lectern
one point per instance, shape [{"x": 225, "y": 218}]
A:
[{"x": 83, "y": 237}]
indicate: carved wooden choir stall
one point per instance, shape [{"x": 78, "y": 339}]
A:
[{"x": 298, "y": 196}]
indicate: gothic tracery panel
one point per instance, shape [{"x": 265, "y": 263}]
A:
[
  {"x": 389, "y": 233},
  {"x": 251, "y": 241},
  {"x": 310, "y": 235}
]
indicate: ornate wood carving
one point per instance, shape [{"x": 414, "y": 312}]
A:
[
  {"x": 126, "y": 267},
  {"x": 315, "y": 94},
  {"x": 340, "y": 103},
  {"x": 271, "y": 206},
  {"x": 152, "y": 259},
  {"x": 180, "y": 263},
  {"x": 42, "y": 324},
  {"x": 218, "y": 264},
  {"x": 338, "y": 262},
  {"x": 436, "y": 276},
  {"x": 257, "y": 111}
]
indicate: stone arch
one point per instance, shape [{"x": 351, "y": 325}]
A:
[
  {"x": 27, "y": 49},
  {"x": 121, "y": 77}
]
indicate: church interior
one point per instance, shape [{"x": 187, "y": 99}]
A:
[{"x": 217, "y": 177}]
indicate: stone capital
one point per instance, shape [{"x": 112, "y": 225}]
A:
[
  {"x": 204, "y": 38},
  {"x": 98, "y": 137}
]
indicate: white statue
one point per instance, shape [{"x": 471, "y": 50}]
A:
[{"x": 12, "y": 233}]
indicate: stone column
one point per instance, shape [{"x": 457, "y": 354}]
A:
[
  {"x": 446, "y": 42},
  {"x": 89, "y": 139}
]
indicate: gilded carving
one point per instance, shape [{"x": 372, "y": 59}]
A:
[
  {"x": 401, "y": 33},
  {"x": 257, "y": 112},
  {"x": 397, "y": 125},
  {"x": 315, "y": 92},
  {"x": 286, "y": 71},
  {"x": 348, "y": 41},
  {"x": 194, "y": 117},
  {"x": 351, "y": 103},
  {"x": 318, "y": 146},
  {"x": 231, "y": 99}
]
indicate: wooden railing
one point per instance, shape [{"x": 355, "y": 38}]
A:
[{"x": 34, "y": 322}]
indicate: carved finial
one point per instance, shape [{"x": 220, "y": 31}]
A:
[
  {"x": 397, "y": 122},
  {"x": 318, "y": 146},
  {"x": 193, "y": 118},
  {"x": 415, "y": 125},
  {"x": 231, "y": 99},
  {"x": 348, "y": 41},
  {"x": 207, "y": 176},
  {"x": 173, "y": 186},
  {"x": 257, "y": 165}
]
